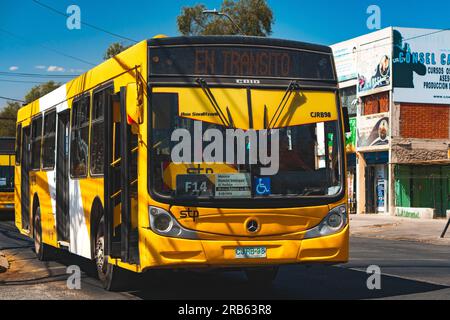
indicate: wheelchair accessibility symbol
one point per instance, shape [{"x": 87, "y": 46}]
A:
[{"x": 262, "y": 187}]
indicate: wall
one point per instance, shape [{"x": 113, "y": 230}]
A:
[
  {"x": 420, "y": 133},
  {"x": 418, "y": 150},
  {"x": 424, "y": 121}
]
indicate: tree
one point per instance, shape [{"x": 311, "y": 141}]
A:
[
  {"x": 8, "y": 127},
  {"x": 254, "y": 17},
  {"x": 41, "y": 90},
  {"x": 114, "y": 49}
]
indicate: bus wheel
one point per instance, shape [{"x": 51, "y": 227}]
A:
[
  {"x": 110, "y": 275},
  {"x": 262, "y": 277},
  {"x": 43, "y": 251}
]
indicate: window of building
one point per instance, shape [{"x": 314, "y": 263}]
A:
[
  {"x": 102, "y": 99},
  {"x": 79, "y": 138},
  {"x": 48, "y": 147},
  {"x": 377, "y": 103},
  {"x": 349, "y": 99},
  {"x": 36, "y": 140}
]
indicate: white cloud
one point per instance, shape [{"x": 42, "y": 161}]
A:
[
  {"x": 55, "y": 69},
  {"x": 13, "y": 68},
  {"x": 41, "y": 67},
  {"x": 73, "y": 70}
]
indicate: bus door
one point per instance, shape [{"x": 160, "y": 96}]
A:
[
  {"x": 120, "y": 183},
  {"x": 62, "y": 177},
  {"x": 25, "y": 178}
]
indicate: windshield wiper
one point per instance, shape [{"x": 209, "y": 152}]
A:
[
  {"x": 293, "y": 86},
  {"x": 204, "y": 85}
]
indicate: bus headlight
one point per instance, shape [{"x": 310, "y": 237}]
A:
[
  {"x": 334, "y": 222},
  {"x": 164, "y": 224}
]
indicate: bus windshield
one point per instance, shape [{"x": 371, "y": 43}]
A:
[{"x": 307, "y": 150}]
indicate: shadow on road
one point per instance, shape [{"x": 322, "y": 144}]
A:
[{"x": 294, "y": 282}]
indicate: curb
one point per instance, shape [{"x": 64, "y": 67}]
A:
[{"x": 4, "y": 264}]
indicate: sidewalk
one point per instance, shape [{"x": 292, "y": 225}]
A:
[
  {"x": 394, "y": 228},
  {"x": 4, "y": 265}
]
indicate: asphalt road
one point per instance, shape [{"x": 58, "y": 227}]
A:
[{"x": 409, "y": 271}]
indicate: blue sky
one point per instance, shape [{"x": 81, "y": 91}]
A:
[{"x": 318, "y": 21}]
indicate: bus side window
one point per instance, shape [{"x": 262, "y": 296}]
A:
[
  {"x": 79, "y": 137},
  {"x": 48, "y": 147},
  {"x": 36, "y": 140},
  {"x": 18, "y": 144},
  {"x": 102, "y": 99}
]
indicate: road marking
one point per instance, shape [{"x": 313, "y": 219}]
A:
[
  {"x": 403, "y": 277},
  {"x": 46, "y": 269}
]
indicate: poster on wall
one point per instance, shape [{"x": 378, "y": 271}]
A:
[
  {"x": 373, "y": 132},
  {"x": 374, "y": 62},
  {"x": 380, "y": 194},
  {"x": 421, "y": 65},
  {"x": 345, "y": 59},
  {"x": 350, "y": 138}
]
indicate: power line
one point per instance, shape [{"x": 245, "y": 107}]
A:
[
  {"x": 48, "y": 48},
  {"x": 20, "y": 81},
  {"x": 6, "y": 98},
  {"x": 427, "y": 34},
  {"x": 37, "y": 75},
  {"x": 392, "y": 42},
  {"x": 85, "y": 23}
]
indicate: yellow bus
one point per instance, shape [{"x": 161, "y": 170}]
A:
[
  {"x": 7, "y": 161},
  {"x": 111, "y": 165}
]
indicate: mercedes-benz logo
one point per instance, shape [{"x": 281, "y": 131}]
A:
[{"x": 252, "y": 226}]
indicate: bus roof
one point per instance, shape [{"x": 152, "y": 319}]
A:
[
  {"x": 238, "y": 40},
  {"x": 111, "y": 67}
]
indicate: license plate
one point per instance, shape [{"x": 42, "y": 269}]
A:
[{"x": 251, "y": 253}]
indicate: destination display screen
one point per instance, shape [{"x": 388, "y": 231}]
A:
[{"x": 240, "y": 61}]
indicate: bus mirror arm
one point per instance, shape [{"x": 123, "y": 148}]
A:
[{"x": 133, "y": 105}]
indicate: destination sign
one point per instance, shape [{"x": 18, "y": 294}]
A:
[{"x": 255, "y": 62}]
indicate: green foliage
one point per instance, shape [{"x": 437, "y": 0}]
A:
[
  {"x": 41, "y": 90},
  {"x": 254, "y": 17},
  {"x": 8, "y": 127},
  {"x": 114, "y": 49}
]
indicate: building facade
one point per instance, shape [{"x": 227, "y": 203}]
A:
[{"x": 396, "y": 84}]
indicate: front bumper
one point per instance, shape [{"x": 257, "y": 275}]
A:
[{"x": 162, "y": 252}]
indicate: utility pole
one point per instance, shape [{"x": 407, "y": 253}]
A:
[{"x": 223, "y": 14}]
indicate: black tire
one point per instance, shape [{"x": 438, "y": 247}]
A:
[
  {"x": 111, "y": 276},
  {"x": 43, "y": 251},
  {"x": 262, "y": 277}
]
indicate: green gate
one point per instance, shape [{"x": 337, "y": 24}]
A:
[{"x": 423, "y": 187}]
